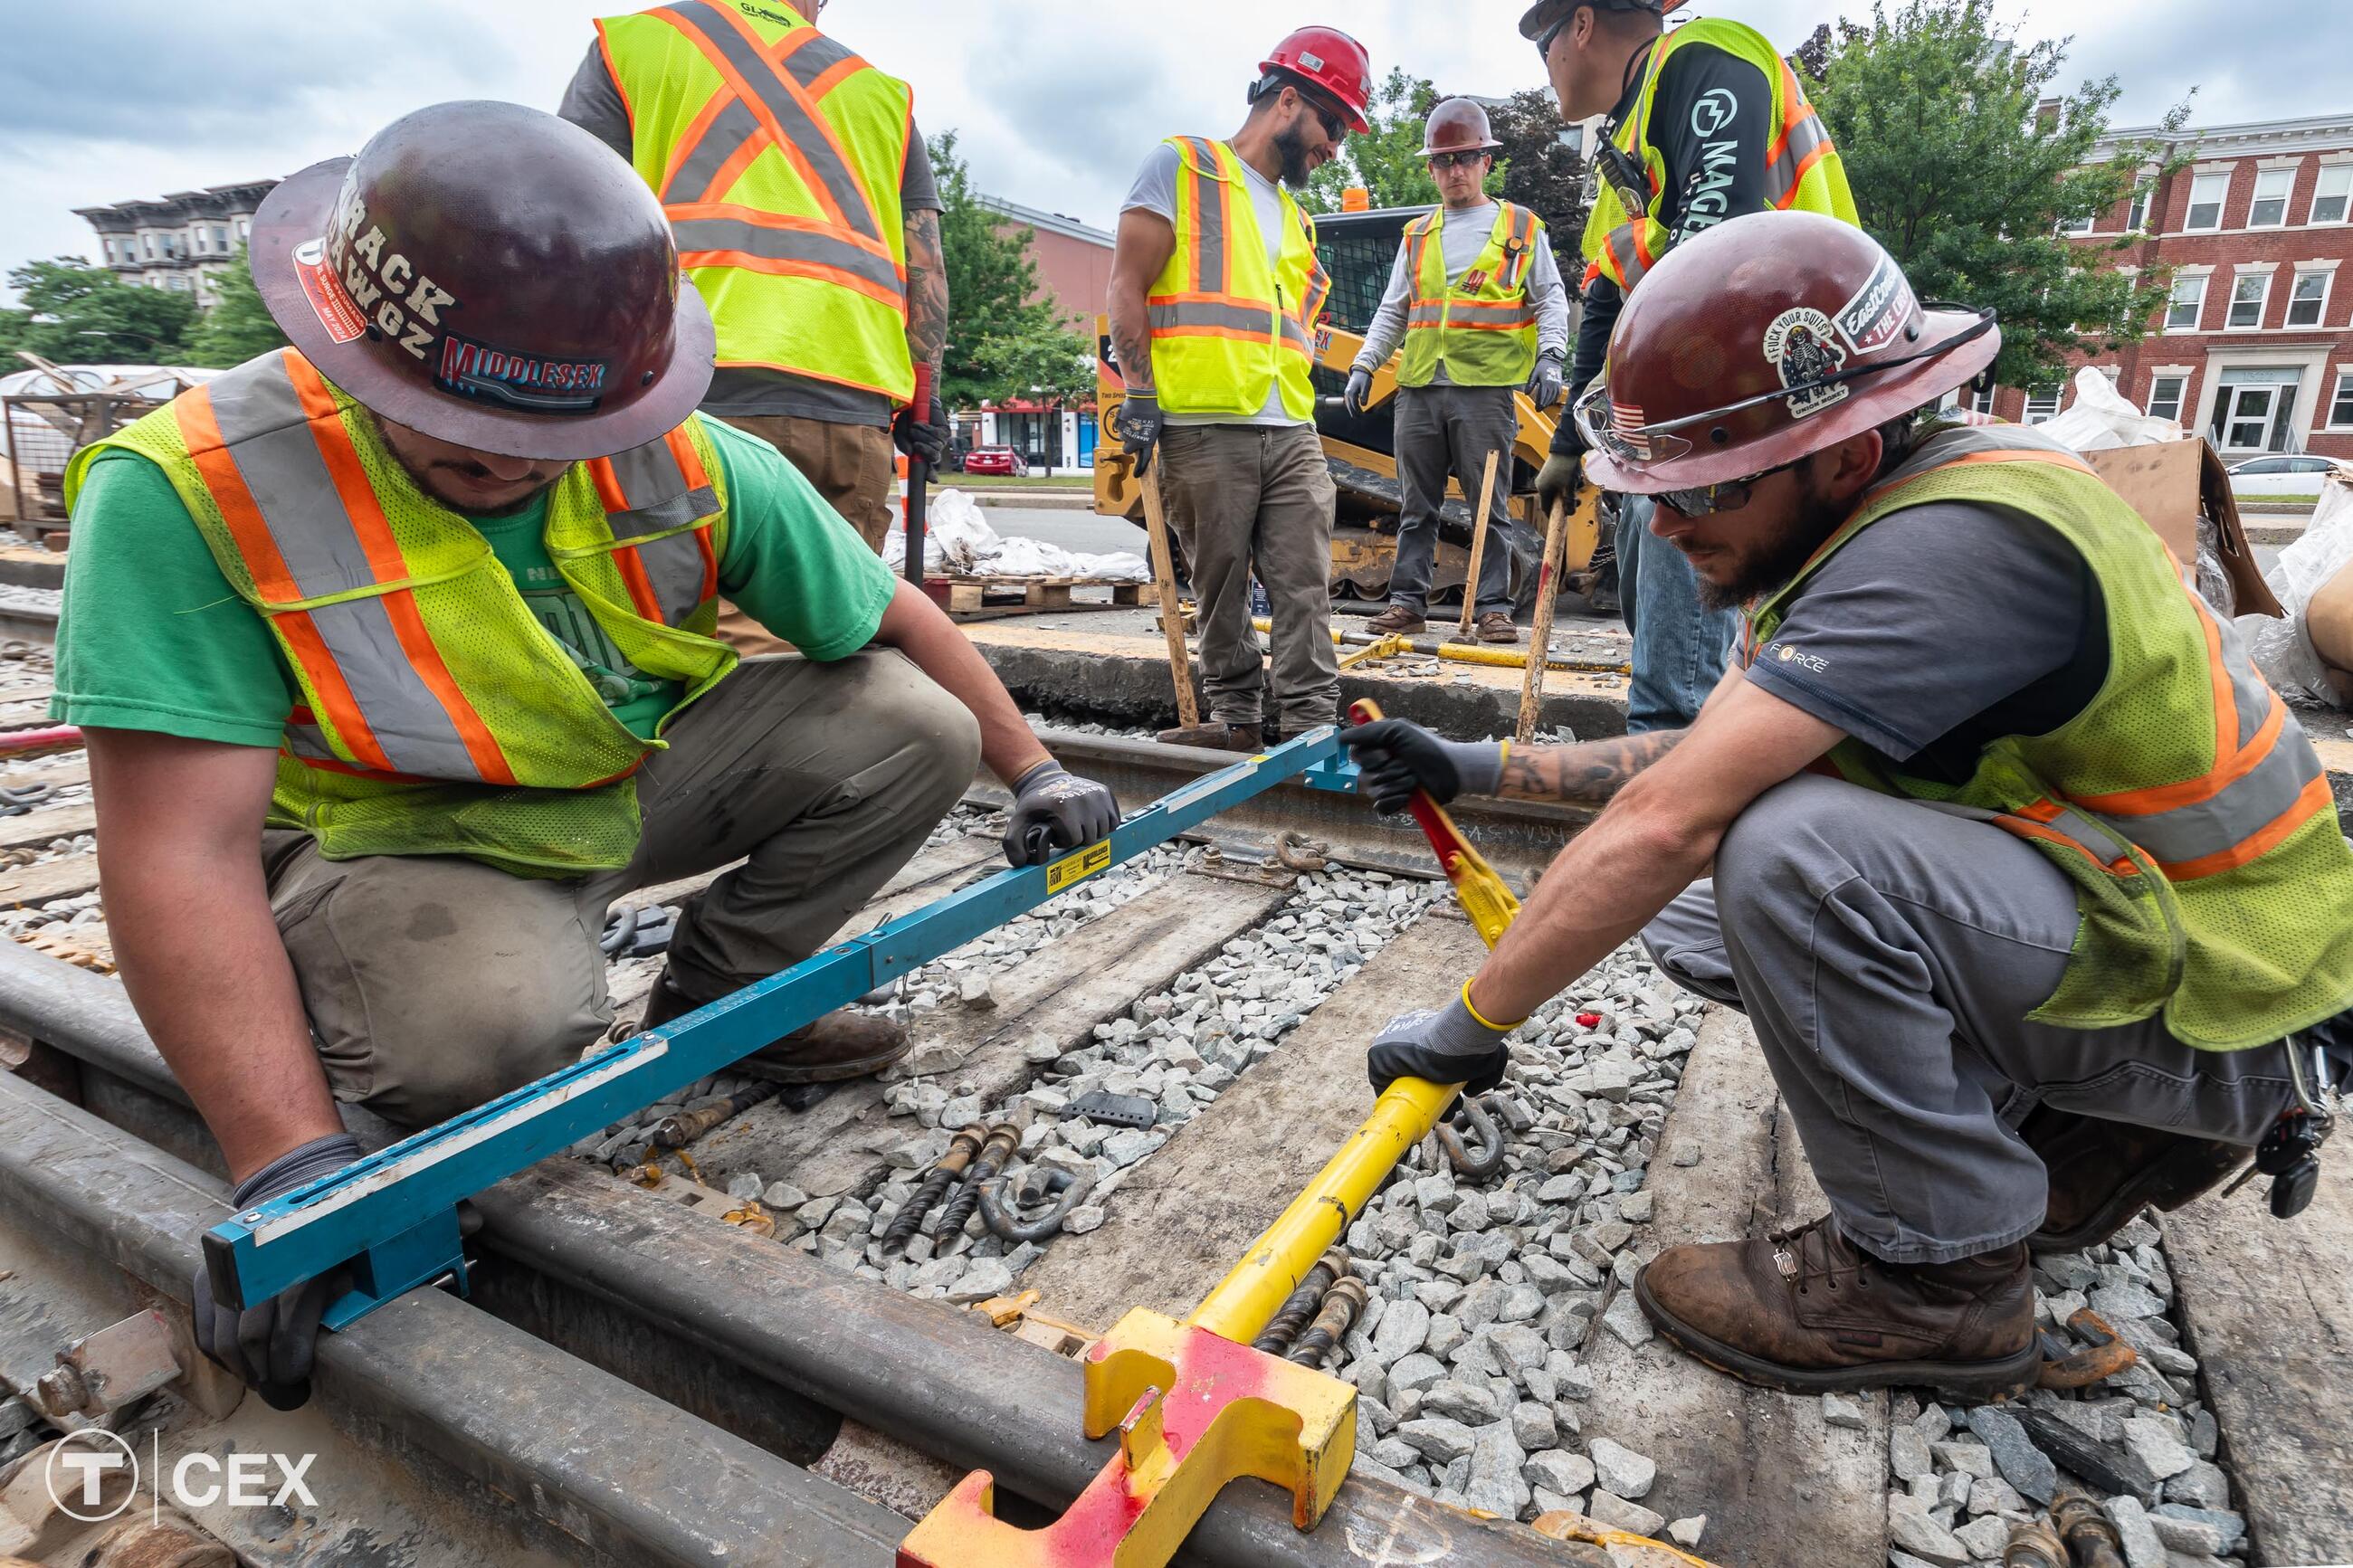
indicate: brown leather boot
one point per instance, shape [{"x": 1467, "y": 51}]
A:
[
  {"x": 2104, "y": 1173},
  {"x": 1398, "y": 621},
  {"x": 839, "y": 1045},
  {"x": 1805, "y": 1311},
  {"x": 1215, "y": 735},
  {"x": 1496, "y": 626}
]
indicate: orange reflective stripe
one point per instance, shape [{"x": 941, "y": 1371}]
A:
[
  {"x": 2056, "y": 459},
  {"x": 692, "y": 139},
  {"x": 786, "y": 268},
  {"x": 384, "y": 556},
  {"x": 2206, "y": 786},
  {"x": 752, "y": 100},
  {"x": 640, "y": 586},
  {"x": 2022, "y": 828},
  {"x": 2314, "y": 797},
  {"x": 2226, "y": 700}
]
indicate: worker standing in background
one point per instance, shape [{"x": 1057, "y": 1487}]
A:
[
  {"x": 394, "y": 652},
  {"x": 1477, "y": 299},
  {"x": 1215, "y": 289},
  {"x": 1704, "y": 124},
  {"x": 802, "y": 197},
  {"x": 2068, "y": 920}
]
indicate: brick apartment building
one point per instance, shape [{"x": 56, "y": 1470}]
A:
[
  {"x": 2254, "y": 347},
  {"x": 180, "y": 242},
  {"x": 1074, "y": 272}
]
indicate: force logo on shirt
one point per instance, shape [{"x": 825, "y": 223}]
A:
[{"x": 1789, "y": 654}]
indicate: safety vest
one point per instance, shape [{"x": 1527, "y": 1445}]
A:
[
  {"x": 1483, "y": 328},
  {"x": 777, "y": 154},
  {"x": 437, "y": 715},
  {"x": 1802, "y": 170},
  {"x": 2184, "y": 802},
  {"x": 1224, "y": 329}
]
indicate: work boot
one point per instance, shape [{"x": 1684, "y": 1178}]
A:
[
  {"x": 1496, "y": 626},
  {"x": 1806, "y": 1312},
  {"x": 841, "y": 1044},
  {"x": 2104, "y": 1173},
  {"x": 1215, "y": 735},
  {"x": 1398, "y": 621}
]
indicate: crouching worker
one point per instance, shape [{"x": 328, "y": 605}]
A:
[
  {"x": 395, "y": 653},
  {"x": 2025, "y": 879}
]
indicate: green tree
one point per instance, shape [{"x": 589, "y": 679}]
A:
[
  {"x": 238, "y": 326},
  {"x": 1961, "y": 173},
  {"x": 1386, "y": 158},
  {"x": 1003, "y": 341},
  {"x": 74, "y": 313},
  {"x": 1538, "y": 170}
]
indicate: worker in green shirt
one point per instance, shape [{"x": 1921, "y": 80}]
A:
[{"x": 396, "y": 651}]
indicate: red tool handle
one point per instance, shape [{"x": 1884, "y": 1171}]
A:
[
  {"x": 55, "y": 738},
  {"x": 919, "y": 476}
]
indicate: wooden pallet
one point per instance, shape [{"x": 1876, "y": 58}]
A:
[{"x": 962, "y": 596}]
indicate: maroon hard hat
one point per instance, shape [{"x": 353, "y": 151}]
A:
[
  {"x": 491, "y": 275},
  {"x": 1457, "y": 125},
  {"x": 1761, "y": 341}
]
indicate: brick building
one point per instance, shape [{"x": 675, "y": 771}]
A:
[
  {"x": 1074, "y": 272},
  {"x": 180, "y": 242},
  {"x": 2254, "y": 347}
]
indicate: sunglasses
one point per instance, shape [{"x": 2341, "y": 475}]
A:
[
  {"x": 1336, "y": 125},
  {"x": 1455, "y": 159},
  {"x": 1544, "y": 44},
  {"x": 1703, "y": 501}
]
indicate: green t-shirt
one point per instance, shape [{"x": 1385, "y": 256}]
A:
[{"x": 152, "y": 636}]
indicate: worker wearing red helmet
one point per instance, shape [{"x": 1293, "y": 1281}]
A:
[
  {"x": 1215, "y": 289},
  {"x": 1700, "y": 125},
  {"x": 2067, "y": 927},
  {"x": 396, "y": 653}
]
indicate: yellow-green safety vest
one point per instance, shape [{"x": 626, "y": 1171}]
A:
[
  {"x": 437, "y": 716},
  {"x": 1482, "y": 327},
  {"x": 777, "y": 154},
  {"x": 2184, "y": 801},
  {"x": 1225, "y": 330},
  {"x": 1802, "y": 169}
]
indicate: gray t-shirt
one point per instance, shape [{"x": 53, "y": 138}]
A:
[
  {"x": 1940, "y": 628},
  {"x": 593, "y": 102},
  {"x": 1461, "y": 237},
  {"x": 1155, "y": 191}
]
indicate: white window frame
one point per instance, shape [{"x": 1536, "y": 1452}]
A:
[
  {"x": 2326, "y": 273},
  {"x": 2143, "y": 199},
  {"x": 2338, "y": 171},
  {"x": 2076, "y": 227},
  {"x": 2274, "y": 173},
  {"x": 2190, "y": 224},
  {"x": 2340, "y": 396},
  {"x": 2178, "y": 374},
  {"x": 2260, "y": 273},
  {"x": 2034, "y": 399},
  {"x": 2173, "y": 300}
]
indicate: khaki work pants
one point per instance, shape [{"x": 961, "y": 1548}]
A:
[
  {"x": 434, "y": 982},
  {"x": 851, "y": 466},
  {"x": 1245, "y": 497}
]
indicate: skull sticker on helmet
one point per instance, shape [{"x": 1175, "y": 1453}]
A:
[{"x": 1802, "y": 345}]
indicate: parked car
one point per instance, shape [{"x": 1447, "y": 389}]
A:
[
  {"x": 1002, "y": 461},
  {"x": 2284, "y": 475}
]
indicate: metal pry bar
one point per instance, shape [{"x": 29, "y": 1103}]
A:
[{"x": 392, "y": 1217}]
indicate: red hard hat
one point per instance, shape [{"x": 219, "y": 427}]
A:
[
  {"x": 490, "y": 275},
  {"x": 1457, "y": 125},
  {"x": 1761, "y": 341},
  {"x": 1332, "y": 60}
]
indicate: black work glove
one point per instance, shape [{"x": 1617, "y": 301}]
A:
[
  {"x": 1360, "y": 391},
  {"x": 1543, "y": 381},
  {"x": 1396, "y": 756},
  {"x": 1136, "y": 423},
  {"x": 1445, "y": 1045},
  {"x": 926, "y": 439},
  {"x": 1055, "y": 809},
  {"x": 269, "y": 1346},
  {"x": 1558, "y": 481}
]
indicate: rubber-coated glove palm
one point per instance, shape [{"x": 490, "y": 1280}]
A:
[
  {"x": 270, "y": 1345},
  {"x": 1136, "y": 423},
  {"x": 1360, "y": 391},
  {"x": 1444, "y": 1045},
  {"x": 926, "y": 438},
  {"x": 1395, "y": 757},
  {"x": 1544, "y": 383},
  {"x": 1056, "y": 809}
]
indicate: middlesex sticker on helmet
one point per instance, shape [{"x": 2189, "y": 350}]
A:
[{"x": 1802, "y": 345}]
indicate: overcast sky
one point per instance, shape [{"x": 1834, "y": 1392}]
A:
[{"x": 1056, "y": 99}]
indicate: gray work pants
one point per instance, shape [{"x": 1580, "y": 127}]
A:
[
  {"x": 1245, "y": 497},
  {"x": 1888, "y": 955},
  {"x": 1450, "y": 430},
  {"x": 434, "y": 982}
]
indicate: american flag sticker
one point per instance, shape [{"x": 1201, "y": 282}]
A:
[{"x": 1628, "y": 420}]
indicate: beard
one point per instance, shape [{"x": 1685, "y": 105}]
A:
[
  {"x": 1291, "y": 144},
  {"x": 1772, "y": 562}
]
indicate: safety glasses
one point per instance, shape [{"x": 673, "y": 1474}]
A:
[
  {"x": 1543, "y": 44},
  {"x": 1455, "y": 159},
  {"x": 1703, "y": 500},
  {"x": 1335, "y": 123}
]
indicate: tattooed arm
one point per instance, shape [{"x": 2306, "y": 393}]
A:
[
  {"x": 1587, "y": 772},
  {"x": 927, "y": 289},
  {"x": 1146, "y": 241}
]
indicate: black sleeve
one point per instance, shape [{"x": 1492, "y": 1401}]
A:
[
  {"x": 592, "y": 103},
  {"x": 1594, "y": 325},
  {"x": 1713, "y": 122},
  {"x": 919, "y": 189}
]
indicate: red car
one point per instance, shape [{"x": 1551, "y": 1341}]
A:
[{"x": 1002, "y": 461}]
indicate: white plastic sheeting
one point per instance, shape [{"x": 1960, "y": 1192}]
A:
[
  {"x": 2282, "y": 649},
  {"x": 958, "y": 542}
]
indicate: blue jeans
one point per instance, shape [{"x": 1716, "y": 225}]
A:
[{"x": 1679, "y": 647}]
